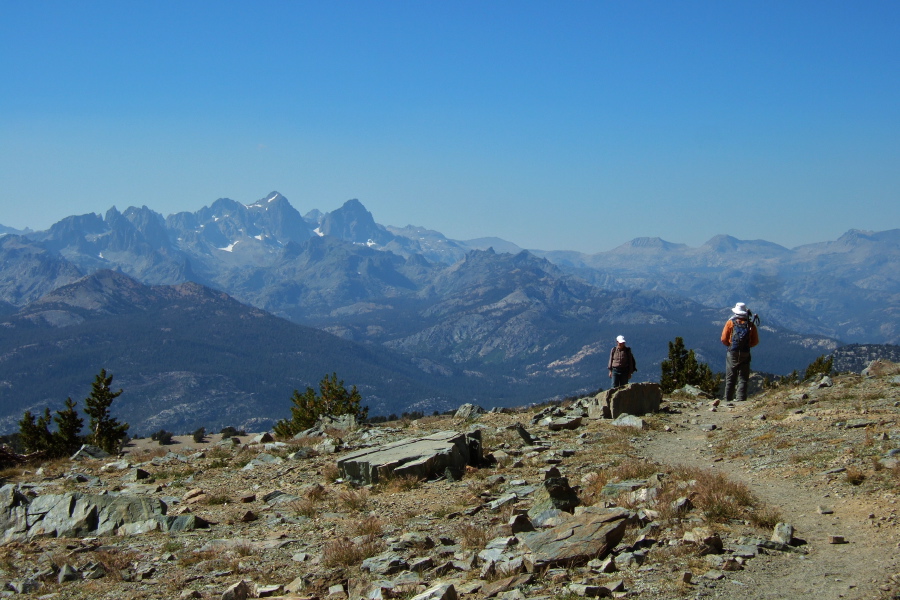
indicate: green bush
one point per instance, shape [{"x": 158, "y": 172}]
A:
[
  {"x": 163, "y": 437},
  {"x": 681, "y": 368},
  {"x": 230, "y": 432},
  {"x": 333, "y": 399},
  {"x": 199, "y": 435},
  {"x": 820, "y": 367}
]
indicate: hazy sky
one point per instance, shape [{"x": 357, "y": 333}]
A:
[{"x": 555, "y": 125}]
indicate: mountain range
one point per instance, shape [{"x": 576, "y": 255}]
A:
[{"x": 477, "y": 320}]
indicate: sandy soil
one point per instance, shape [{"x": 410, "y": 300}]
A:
[{"x": 860, "y": 568}]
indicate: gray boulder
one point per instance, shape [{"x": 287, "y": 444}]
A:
[
  {"x": 554, "y": 493},
  {"x": 591, "y": 534},
  {"x": 439, "y": 591},
  {"x": 75, "y": 514},
  {"x": 468, "y": 411},
  {"x": 426, "y": 457},
  {"x": 13, "y": 513},
  {"x": 633, "y": 399},
  {"x": 626, "y": 420},
  {"x": 87, "y": 452},
  {"x": 881, "y": 368}
]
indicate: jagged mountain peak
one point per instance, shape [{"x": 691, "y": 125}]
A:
[
  {"x": 271, "y": 198},
  {"x": 352, "y": 222}
]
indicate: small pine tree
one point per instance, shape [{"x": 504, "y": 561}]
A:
[
  {"x": 163, "y": 437},
  {"x": 820, "y": 367},
  {"x": 333, "y": 399},
  {"x": 34, "y": 434},
  {"x": 682, "y": 368},
  {"x": 106, "y": 431},
  {"x": 67, "y": 438},
  {"x": 200, "y": 435}
]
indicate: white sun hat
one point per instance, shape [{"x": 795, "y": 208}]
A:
[{"x": 740, "y": 309}]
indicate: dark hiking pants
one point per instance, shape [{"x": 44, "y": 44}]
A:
[{"x": 737, "y": 373}]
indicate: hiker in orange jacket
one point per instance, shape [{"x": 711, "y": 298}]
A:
[{"x": 738, "y": 335}]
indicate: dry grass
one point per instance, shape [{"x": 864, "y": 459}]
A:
[
  {"x": 330, "y": 472},
  {"x": 305, "y": 507},
  {"x": 216, "y": 499},
  {"x": 591, "y": 491},
  {"x": 855, "y": 475},
  {"x": 354, "y": 500},
  {"x": 190, "y": 559},
  {"x": 370, "y": 526},
  {"x": 343, "y": 552},
  {"x": 616, "y": 440},
  {"x": 765, "y": 517},
  {"x": 146, "y": 454},
  {"x": 396, "y": 484},
  {"x": 114, "y": 562},
  {"x": 303, "y": 442},
  {"x": 218, "y": 452},
  {"x": 631, "y": 468},
  {"x": 12, "y": 473},
  {"x": 316, "y": 493},
  {"x": 718, "y": 498},
  {"x": 472, "y": 536}
]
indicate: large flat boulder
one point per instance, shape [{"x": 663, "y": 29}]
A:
[
  {"x": 75, "y": 514},
  {"x": 424, "y": 457},
  {"x": 588, "y": 535},
  {"x": 632, "y": 399}
]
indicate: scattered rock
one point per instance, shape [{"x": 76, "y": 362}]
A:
[
  {"x": 783, "y": 533},
  {"x": 626, "y": 420},
  {"x": 468, "y": 411}
]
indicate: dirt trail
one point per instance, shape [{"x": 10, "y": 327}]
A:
[{"x": 860, "y": 568}]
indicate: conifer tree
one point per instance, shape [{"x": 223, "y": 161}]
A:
[
  {"x": 333, "y": 399},
  {"x": 34, "y": 435},
  {"x": 106, "y": 431},
  {"x": 821, "y": 366},
  {"x": 682, "y": 368},
  {"x": 67, "y": 437}
]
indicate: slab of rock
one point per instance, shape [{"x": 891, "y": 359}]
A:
[
  {"x": 468, "y": 411},
  {"x": 426, "y": 457},
  {"x": 238, "y": 591},
  {"x": 75, "y": 514},
  {"x": 783, "y": 533},
  {"x": 564, "y": 423},
  {"x": 881, "y": 368},
  {"x": 385, "y": 563},
  {"x": 489, "y": 590},
  {"x": 591, "y": 534},
  {"x": 554, "y": 493},
  {"x": 634, "y": 399},
  {"x": 88, "y": 451},
  {"x": 706, "y": 539},
  {"x": 692, "y": 390},
  {"x": 440, "y": 591},
  {"x": 627, "y": 420},
  {"x": 523, "y": 433}
]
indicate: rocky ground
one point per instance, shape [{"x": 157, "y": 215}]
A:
[{"x": 704, "y": 486}]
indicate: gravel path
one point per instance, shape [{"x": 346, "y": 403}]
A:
[{"x": 860, "y": 568}]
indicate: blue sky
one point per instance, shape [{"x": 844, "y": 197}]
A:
[{"x": 575, "y": 125}]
